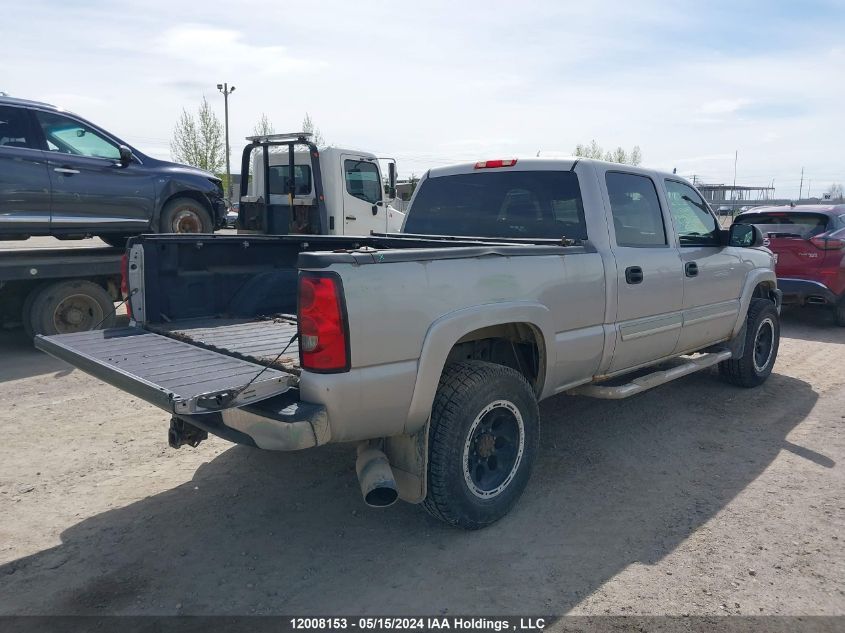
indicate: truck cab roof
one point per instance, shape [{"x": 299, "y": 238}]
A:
[{"x": 541, "y": 164}]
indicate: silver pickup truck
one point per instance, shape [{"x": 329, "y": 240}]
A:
[{"x": 514, "y": 281}]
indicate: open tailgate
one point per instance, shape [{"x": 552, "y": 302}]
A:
[{"x": 174, "y": 375}]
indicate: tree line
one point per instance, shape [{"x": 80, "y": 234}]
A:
[{"x": 198, "y": 137}]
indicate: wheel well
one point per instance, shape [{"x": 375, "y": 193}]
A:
[
  {"x": 516, "y": 345},
  {"x": 193, "y": 195},
  {"x": 764, "y": 290}
]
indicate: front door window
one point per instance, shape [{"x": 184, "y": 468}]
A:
[
  {"x": 69, "y": 136},
  {"x": 694, "y": 223},
  {"x": 362, "y": 180}
]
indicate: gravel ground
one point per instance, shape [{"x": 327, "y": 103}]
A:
[{"x": 696, "y": 497}]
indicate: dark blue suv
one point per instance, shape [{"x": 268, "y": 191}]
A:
[{"x": 63, "y": 176}]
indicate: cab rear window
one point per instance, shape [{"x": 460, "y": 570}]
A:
[
  {"x": 279, "y": 179},
  {"x": 787, "y": 223},
  {"x": 529, "y": 204}
]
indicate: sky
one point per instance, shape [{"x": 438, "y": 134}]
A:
[{"x": 433, "y": 83}]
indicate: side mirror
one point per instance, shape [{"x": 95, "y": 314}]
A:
[
  {"x": 745, "y": 236},
  {"x": 391, "y": 180},
  {"x": 125, "y": 155}
]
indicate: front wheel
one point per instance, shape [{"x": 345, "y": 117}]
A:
[
  {"x": 483, "y": 440},
  {"x": 762, "y": 339},
  {"x": 839, "y": 312},
  {"x": 185, "y": 215}
]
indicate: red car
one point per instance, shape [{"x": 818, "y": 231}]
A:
[{"x": 810, "y": 244}]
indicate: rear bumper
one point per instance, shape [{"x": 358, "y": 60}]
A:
[
  {"x": 802, "y": 291},
  {"x": 281, "y": 423}
]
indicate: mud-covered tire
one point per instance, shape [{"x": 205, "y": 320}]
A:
[
  {"x": 71, "y": 306},
  {"x": 483, "y": 441},
  {"x": 185, "y": 215},
  {"x": 762, "y": 339}
]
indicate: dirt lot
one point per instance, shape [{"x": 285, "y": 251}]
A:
[{"x": 694, "y": 498}]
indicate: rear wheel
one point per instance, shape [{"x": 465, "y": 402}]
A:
[
  {"x": 185, "y": 215},
  {"x": 26, "y": 311},
  {"x": 762, "y": 339},
  {"x": 70, "y": 306},
  {"x": 483, "y": 440}
]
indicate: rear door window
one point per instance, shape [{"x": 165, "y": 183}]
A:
[
  {"x": 637, "y": 218},
  {"x": 15, "y": 130},
  {"x": 492, "y": 203}
]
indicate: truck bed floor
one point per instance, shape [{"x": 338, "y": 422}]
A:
[
  {"x": 257, "y": 341},
  {"x": 161, "y": 370}
]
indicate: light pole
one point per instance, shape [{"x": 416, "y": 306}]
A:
[{"x": 226, "y": 91}]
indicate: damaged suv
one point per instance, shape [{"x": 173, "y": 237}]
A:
[{"x": 63, "y": 176}]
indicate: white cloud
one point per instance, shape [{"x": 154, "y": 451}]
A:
[
  {"x": 723, "y": 106},
  {"x": 227, "y": 50}
]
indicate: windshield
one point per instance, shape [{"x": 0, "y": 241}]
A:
[
  {"x": 787, "y": 224},
  {"x": 529, "y": 204}
]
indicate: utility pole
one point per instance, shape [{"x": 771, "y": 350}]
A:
[
  {"x": 736, "y": 157},
  {"x": 809, "y": 183},
  {"x": 225, "y": 90},
  {"x": 801, "y": 186}
]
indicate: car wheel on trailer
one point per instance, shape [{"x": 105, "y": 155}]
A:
[
  {"x": 762, "y": 339},
  {"x": 483, "y": 440},
  {"x": 185, "y": 215},
  {"x": 70, "y": 306}
]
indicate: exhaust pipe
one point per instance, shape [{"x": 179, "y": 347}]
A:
[{"x": 377, "y": 483}]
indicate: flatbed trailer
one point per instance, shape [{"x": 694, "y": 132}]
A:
[{"x": 59, "y": 290}]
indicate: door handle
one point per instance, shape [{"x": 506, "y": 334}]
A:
[
  {"x": 66, "y": 170},
  {"x": 634, "y": 275},
  {"x": 351, "y": 217},
  {"x": 691, "y": 269}
]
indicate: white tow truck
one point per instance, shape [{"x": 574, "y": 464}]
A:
[{"x": 297, "y": 188}]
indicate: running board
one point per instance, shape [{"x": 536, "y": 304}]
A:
[{"x": 643, "y": 383}]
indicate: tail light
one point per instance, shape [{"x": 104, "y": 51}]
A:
[
  {"x": 490, "y": 164},
  {"x": 323, "y": 330},
  {"x": 124, "y": 282},
  {"x": 828, "y": 243}
]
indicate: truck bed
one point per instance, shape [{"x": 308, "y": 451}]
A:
[{"x": 214, "y": 327}]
